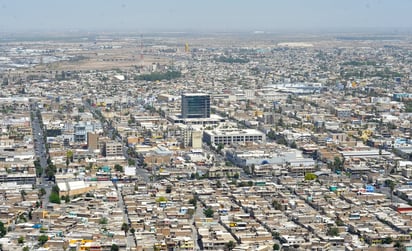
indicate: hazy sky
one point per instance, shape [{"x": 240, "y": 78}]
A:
[{"x": 205, "y": 15}]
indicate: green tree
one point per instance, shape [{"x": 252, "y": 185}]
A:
[
  {"x": 337, "y": 164},
  {"x": 339, "y": 222},
  {"x": 333, "y": 231},
  {"x": 103, "y": 221},
  {"x": 42, "y": 192},
  {"x": 20, "y": 240},
  {"x": 310, "y": 176},
  {"x": 276, "y": 246},
  {"x": 26, "y": 248},
  {"x": 276, "y": 205},
  {"x": 118, "y": 168},
  {"x": 220, "y": 147},
  {"x": 114, "y": 247},
  {"x": 161, "y": 199},
  {"x": 230, "y": 245},
  {"x": 193, "y": 201},
  {"x": 168, "y": 189},
  {"x": 54, "y": 198},
  {"x": 208, "y": 212},
  {"x": 42, "y": 239},
  {"x": 55, "y": 189},
  {"x": 3, "y": 230},
  {"x": 398, "y": 245},
  {"x": 387, "y": 240},
  {"x": 131, "y": 162},
  {"x": 125, "y": 227}
]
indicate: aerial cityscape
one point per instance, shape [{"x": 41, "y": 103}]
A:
[{"x": 239, "y": 134}]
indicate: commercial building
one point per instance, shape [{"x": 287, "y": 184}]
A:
[
  {"x": 274, "y": 157},
  {"x": 113, "y": 149},
  {"x": 195, "y": 105},
  {"x": 230, "y": 136},
  {"x": 192, "y": 138},
  {"x": 18, "y": 178},
  {"x": 92, "y": 141},
  {"x": 80, "y": 131}
]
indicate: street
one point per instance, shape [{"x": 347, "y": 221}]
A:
[{"x": 41, "y": 155}]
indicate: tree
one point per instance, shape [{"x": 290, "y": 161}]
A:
[
  {"x": 276, "y": 246},
  {"x": 193, "y": 201},
  {"x": 337, "y": 164},
  {"x": 125, "y": 227},
  {"x": 161, "y": 199},
  {"x": 3, "y": 230},
  {"x": 387, "y": 240},
  {"x": 26, "y": 248},
  {"x": 391, "y": 184},
  {"x": 339, "y": 222},
  {"x": 208, "y": 212},
  {"x": 230, "y": 245},
  {"x": 131, "y": 162},
  {"x": 42, "y": 192},
  {"x": 398, "y": 245},
  {"x": 20, "y": 240},
  {"x": 114, "y": 247},
  {"x": 310, "y": 176},
  {"x": 42, "y": 239},
  {"x": 54, "y": 198},
  {"x": 132, "y": 230},
  {"x": 276, "y": 205},
  {"x": 220, "y": 147},
  {"x": 118, "y": 168},
  {"x": 55, "y": 189},
  {"x": 333, "y": 231},
  {"x": 103, "y": 221}
]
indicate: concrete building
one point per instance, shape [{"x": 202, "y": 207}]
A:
[
  {"x": 92, "y": 141},
  {"x": 113, "y": 149},
  {"x": 230, "y": 136},
  {"x": 260, "y": 157},
  {"x": 192, "y": 138}
]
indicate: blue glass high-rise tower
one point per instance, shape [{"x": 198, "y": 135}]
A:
[{"x": 195, "y": 105}]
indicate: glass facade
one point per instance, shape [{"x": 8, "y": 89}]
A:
[{"x": 195, "y": 105}]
